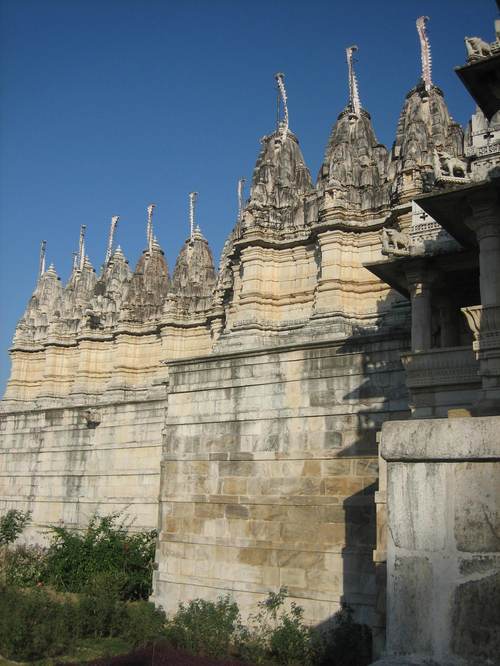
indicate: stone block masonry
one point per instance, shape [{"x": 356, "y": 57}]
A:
[
  {"x": 65, "y": 464},
  {"x": 268, "y": 472}
]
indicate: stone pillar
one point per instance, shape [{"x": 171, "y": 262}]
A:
[
  {"x": 485, "y": 222},
  {"x": 443, "y": 552},
  {"x": 484, "y": 319},
  {"x": 448, "y": 313},
  {"x": 419, "y": 282}
]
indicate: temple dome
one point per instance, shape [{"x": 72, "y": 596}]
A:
[
  {"x": 45, "y": 302},
  {"x": 194, "y": 273},
  {"x": 355, "y": 163},
  {"x": 109, "y": 291},
  {"x": 425, "y": 128},
  {"x": 279, "y": 182},
  {"x": 148, "y": 287}
]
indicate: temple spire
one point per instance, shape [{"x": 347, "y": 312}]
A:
[
  {"x": 41, "y": 269},
  {"x": 354, "y": 100},
  {"x": 81, "y": 247},
  {"x": 149, "y": 228},
  {"x": 282, "y": 124},
  {"x": 425, "y": 50},
  {"x": 112, "y": 229},
  {"x": 192, "y": 202},
  {"x": 241, "y": 184}
]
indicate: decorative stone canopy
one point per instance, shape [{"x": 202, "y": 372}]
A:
[
  {"x": 194, "y": 273},
  {"x": 148, "y": 287},
  {"x": 354, "y": 166},
  {"x": 426, "y": 134},
  {"x": 279, "y": 183},
  {"x": 44, "y": 303}
]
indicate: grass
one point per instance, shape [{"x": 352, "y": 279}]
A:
[{"x": 86, "y": 649}]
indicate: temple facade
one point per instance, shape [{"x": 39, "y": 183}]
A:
[{"x": 239, "y": 410}]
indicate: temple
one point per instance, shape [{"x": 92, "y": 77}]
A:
[{"x": 323, "y": 411}]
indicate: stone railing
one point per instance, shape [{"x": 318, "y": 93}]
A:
[
  {"x": 440, "y": 380},
  {"x": 484, "y": 322},
  {"x": 441, "y": 367}
]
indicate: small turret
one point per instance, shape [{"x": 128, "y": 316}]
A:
[
  {"x": 148, "y": 287},
  {"x": 352, "y": 177},
  {"x": 280, "y": 178},
  {"x": 109, "y": 291},
  {"x": 43, "y": 304},
  {"x": 426, "y": 136}
]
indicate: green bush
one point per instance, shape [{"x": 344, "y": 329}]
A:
[
  {"x": 34, "y": 625},
  {"x": 12, "y": 524},
  {"x": 75, "y": 559},
  {"x": 205, "y": 627},
  {"x": 348, "y": 643},
  {"x": 277, "y": 634},
  {"x": 143, "y": 624},
  {"x": 23, "y": 566}
]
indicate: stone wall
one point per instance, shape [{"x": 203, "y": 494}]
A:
[
  {"x": 268, "y": 474},
  {"x": 64, "y": 464},
  {"x": 443, "y": 550}
]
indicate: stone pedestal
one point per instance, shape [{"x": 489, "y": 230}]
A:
[{"x": 443, "y": 546}]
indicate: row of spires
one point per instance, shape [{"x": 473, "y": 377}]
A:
[
  {"x": 356, "y": 169},
  {"x": 282, "y": 129}
]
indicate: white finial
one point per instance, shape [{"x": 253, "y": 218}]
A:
[
  {"x": 149, "y": 229},
  {"x": 41, "y": 267},
  {"x": 280, "y": 80},
  {"x": 112, "y": 228},
  {"x": 425, "y": 50},
  {"x": 192, "y": 201},
  {"x": 75, "y": 261},
  {"x": 241, "y": 184},
  {"x": 81, "y": 247},
  {"x": 354, "y": 100}
]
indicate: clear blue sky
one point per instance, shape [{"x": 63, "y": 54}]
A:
[{"x": 108, "y": 105}]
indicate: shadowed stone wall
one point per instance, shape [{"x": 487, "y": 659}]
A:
[{"x": 268, "y": 473}]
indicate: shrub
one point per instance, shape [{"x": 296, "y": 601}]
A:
[
  {"x": 75, "y": 559},
  {"x": 143, "y": 624},
  {"x": 205, "y": 627},
  {"x": 34, "y": 625},
  {"x": 101, "y": 612},
  {"x": 12, "y": 524},
  {"x": 348, "y": 643},
  {"x": 24, "y": 566},
  {"x": 278, "y": 634}
]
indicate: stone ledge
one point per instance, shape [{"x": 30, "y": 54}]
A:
[{"x": 442, "y": 439}]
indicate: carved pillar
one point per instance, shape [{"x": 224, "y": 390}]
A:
[
  {"x": 448, "y": 314},
  {"x": 419, "y": 282},
  {"x": 485, "y": 222},
  {"x": 484, "y": 319}
]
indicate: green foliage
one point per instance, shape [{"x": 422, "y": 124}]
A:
[
  {"x": 75, "y": 559},
  {"x": 101, "y": 612},
  {"x": 277, "y": 633},
  {"x": 34, "y": 625},
  {"x": 205, "y": 627},
  {"x": 23, "y": 566},
  {"x": 348, "y": 643},
  {"x": 144, "y": 623},
  {"x": 12, "y": 524}
]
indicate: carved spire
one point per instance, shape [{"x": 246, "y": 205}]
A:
[
  {"x": 81, "y": 247},
  {"x": 192, "y": 203},
  {"x": 425, "y": 50},
  {"x": 354, "y": 100},
  {"x": 149, "y": 228},
  {"x": 282, "y": 124},
  {"x": 41, "y": 269},
  {"x": 241, "y": 184},
  {"x": 112, "y": 228}
]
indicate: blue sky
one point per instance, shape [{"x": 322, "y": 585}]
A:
[{"x": 109, "y": 105}]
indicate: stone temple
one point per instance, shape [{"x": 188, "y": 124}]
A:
[{"x": 322, "y": 411}]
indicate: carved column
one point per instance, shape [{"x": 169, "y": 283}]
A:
[
  {"x": 485, "y": 222},
  {"x": 419, "y": 282},
  {"x": 484, "y": 319},
  {"x": 448, "y": 314}
]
